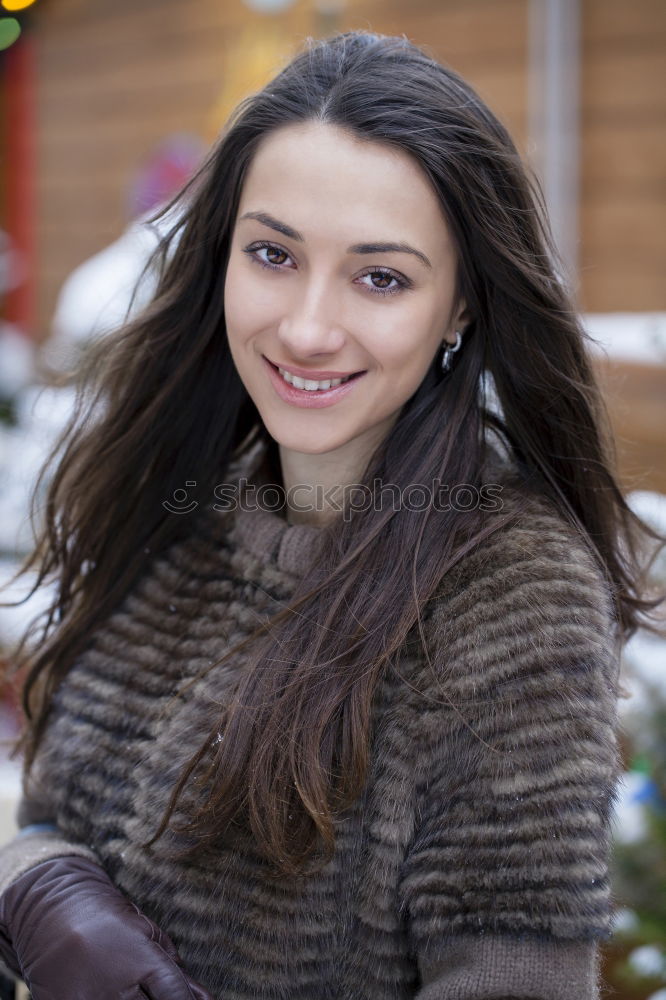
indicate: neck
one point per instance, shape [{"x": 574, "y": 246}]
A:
[
  {"x": 314, "y": 496},
  {"x": 317, "y": 486}
]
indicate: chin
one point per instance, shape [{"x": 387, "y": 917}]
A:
[{"x": 305, "y": 443}]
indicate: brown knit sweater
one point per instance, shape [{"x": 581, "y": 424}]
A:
[{"x": 460, "y": 874}]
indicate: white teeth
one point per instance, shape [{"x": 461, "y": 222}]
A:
[{"x": 310, "y": 384}]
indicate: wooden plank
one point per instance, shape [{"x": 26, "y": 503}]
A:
[
  {"x": 485, "y": 42},
  {"x": 139, "y": 133},
  {"x": 81, "y": 244},
  {"x": 625, "y": 226},
  {"x": 88, "y": 157},
  {"x": 621, "y": 81},
  {"x": 133, "y": 99},
  {"x": 635, "y": 395},
  {"x": 132, "y": 83},
  {"x": 622, "y": 285},
  {"x": 606, "y": 23},
  {"x": 174, "y": 61},
  {"x": 620, "y": 159},
  {"x": 474, "y": 31},
  {"x": 90, "y": 26}
]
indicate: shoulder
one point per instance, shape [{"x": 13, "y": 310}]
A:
[
  {"x": 515, "y": 725},
  {"x": 527, "y": 614},
  {"x": 535, "y": 568}
]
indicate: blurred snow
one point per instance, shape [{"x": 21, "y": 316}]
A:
[
  {"x": 12, "y": 264},
  {"x": 14, "y": 620},
  {"x": 42, "y": 413},
  {"x": 645, "y": 654},
  {"x": 629, "y": 821},
  {"x": 637, "y": 337},
  {"x": 17, "y": 361},
  {"x": 96, "y": 296},
  {"x": 10, "y": 791},
  {"x": 625, "y": 921},
  {"x": 648, "y": 960},
  {"x": 645, "y": 667},
  {"x": 106, "y": 290},
  {"x": 649, "y": 505}
]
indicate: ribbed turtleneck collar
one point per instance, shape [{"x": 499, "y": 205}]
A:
[{"x": 266, "y": 533}]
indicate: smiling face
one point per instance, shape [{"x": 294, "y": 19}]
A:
[{"x": 316, "y": 285}]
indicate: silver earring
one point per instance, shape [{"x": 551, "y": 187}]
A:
[{"x": 449, "y": 351}]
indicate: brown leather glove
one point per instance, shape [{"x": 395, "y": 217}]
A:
[{"x": 72, "y": 935}]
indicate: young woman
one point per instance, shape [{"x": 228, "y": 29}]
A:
[{"x": 325, "y": 706}]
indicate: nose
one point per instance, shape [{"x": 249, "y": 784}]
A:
[{"x": 310, "y": 326}]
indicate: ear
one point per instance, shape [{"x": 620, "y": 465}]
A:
[{"x": 462, "y": 317}]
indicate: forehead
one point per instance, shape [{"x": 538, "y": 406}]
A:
[{"x": 328, "y": 184}]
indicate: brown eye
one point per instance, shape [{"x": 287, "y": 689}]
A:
[
  {"x": 385, "y": 278},
  {"x": 385, "y": 282},
  {"x": 275, "y": 250},
  {"x": 256, "y": 251}
]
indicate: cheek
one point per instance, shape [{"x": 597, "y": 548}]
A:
[
  {"x": 234, "y": 296},
  {"x": 406, "y": 343},
  {"x": 249, "y": 306}
]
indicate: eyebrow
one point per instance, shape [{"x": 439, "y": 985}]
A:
[{"x": 361, "y": 248}]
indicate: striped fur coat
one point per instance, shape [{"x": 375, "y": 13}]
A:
[{"x": 462, "y": 873}]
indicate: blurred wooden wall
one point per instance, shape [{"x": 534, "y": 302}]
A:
[
  {"x": 623, "y": 208},
  {"x": 115, "y": 79},
  {"x": 636, "y": 396}
]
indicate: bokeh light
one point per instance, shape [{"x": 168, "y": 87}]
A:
[
  {"x": 10, "y": 30},
  {"x": 16, "y": 4}
]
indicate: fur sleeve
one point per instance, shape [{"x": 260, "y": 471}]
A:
[
  {"x": 505, "y": 887},
  {"x": 35, "y": 842}
]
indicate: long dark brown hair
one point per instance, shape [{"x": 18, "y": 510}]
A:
[{"x": 160, "y": 400}]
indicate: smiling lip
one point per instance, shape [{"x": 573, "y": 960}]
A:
[
  {"x": 317, "y": 376},
  {"x": 309, "y": 399}
]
